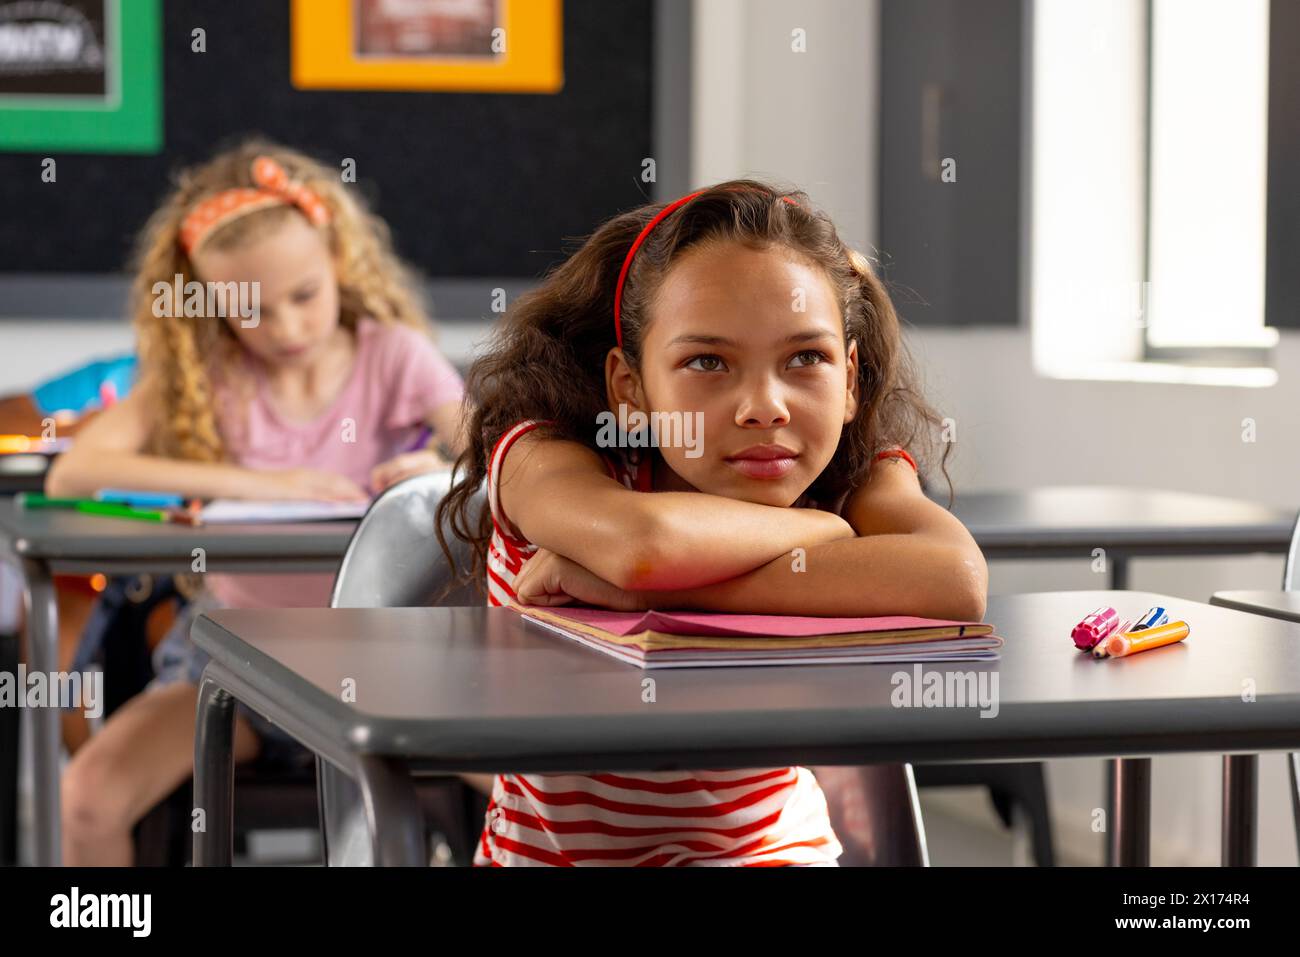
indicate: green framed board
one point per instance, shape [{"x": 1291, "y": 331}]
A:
[{"x": 81, "y": 76}]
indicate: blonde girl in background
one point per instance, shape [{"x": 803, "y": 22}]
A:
[{"x": 327, "y": 392}]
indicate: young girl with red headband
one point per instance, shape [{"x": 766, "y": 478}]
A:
[
  {"x": 740, "y": 305},
  {"x": 329, "y": 391}
]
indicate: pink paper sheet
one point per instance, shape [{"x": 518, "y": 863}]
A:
[{"x": 718, "y": 623}]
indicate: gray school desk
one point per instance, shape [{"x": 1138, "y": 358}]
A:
[
  {"x": 1070, "y": 521},
  {"x": 45, "y": 541},
  {"x": 479, "y": 689},
  {"x": 23, "y": 472},
  {"x": 1274, "y": 604}
]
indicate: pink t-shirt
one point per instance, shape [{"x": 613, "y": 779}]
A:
[{"x": 398, "y": 377}]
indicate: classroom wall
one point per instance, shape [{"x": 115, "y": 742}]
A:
[{"x": 810, "y": 120}]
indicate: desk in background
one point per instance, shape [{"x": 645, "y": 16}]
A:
[
  {"x": 45, "y": 541},
  {"x": 1273, "y": 604},
  {"x": 23, "y": 472},
  {"x": 1070, "y": 521},
  {"x": 19, "y": 472}
]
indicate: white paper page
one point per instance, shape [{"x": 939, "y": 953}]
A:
[{"x": 226, "y": 511}]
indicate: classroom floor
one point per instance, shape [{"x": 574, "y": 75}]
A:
[{"x": 963, "y": 830}]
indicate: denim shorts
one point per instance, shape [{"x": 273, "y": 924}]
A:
[{"x": 178, "y": 659}]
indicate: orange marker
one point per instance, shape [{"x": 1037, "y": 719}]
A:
[
  {"x": 1145, "y": 640},
  {"x": 1099, "y": 649}
]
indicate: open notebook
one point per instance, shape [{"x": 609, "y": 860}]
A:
[
  {"x": 230, "y": 511},
  {"x": 684, "y": 639}
]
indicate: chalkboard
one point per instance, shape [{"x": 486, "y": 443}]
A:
[{"x": 471, "y": 184}]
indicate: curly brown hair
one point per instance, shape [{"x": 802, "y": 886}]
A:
[
  {"x": 180, "y": 354},
  {"x": 546, "y": 358}
]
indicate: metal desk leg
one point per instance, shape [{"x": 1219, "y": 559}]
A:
[
  {"x": 1293, "y": 765},
  {"x": 1240, "y": 780},
  {"x": 43, "y": 650},
  {"x": 393, "y": 814},
  {"x": 8, "y": 761},
  {"x": 1130, "y": 823},
  {"x": 1119, "y": 573},
  {"x": 1118, "y": 582},
  {"x": 214, "y": 774},
  {"x": 1111, "y": 815}
]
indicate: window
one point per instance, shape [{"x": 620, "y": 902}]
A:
[{"x": 1149, "y": 189}]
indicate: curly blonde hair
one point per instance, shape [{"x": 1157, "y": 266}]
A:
[{"x": 180, "y": 355}]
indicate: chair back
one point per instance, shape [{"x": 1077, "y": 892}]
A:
[
  {"x": 394, "y": 559},
  {"x": 1291, "y": 569}
]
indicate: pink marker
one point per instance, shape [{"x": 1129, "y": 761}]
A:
[
  {"x": 1097, "y": 626},
  {"x": 107, "y": 394}
]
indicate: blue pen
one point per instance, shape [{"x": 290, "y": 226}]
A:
[
  {"x": 1155, "y": 615},
  {"x": 139, "y": 499}
]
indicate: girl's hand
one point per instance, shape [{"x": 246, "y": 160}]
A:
[
  {"x": 551, "y": 579},
  {"x": 309, "y": 484},
  {"x": 389, "y": 473}
]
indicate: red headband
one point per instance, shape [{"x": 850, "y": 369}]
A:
[{"x": 636, "y": 244}]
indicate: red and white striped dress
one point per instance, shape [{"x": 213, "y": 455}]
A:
[{"x": 739, "y": 818}]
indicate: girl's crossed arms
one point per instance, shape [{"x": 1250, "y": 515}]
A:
[{"x": 899, "y": 552}]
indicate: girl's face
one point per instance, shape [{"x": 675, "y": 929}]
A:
[
  {"x": 752, "y": 340},
  {"x": 298, "y": 291}
]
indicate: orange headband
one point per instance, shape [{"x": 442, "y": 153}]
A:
[
  {"x": 273, "y": 189},
  {"x": 636, "y": 244}
]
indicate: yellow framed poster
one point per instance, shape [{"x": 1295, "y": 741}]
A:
[{"x": 450, "y": 46}]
